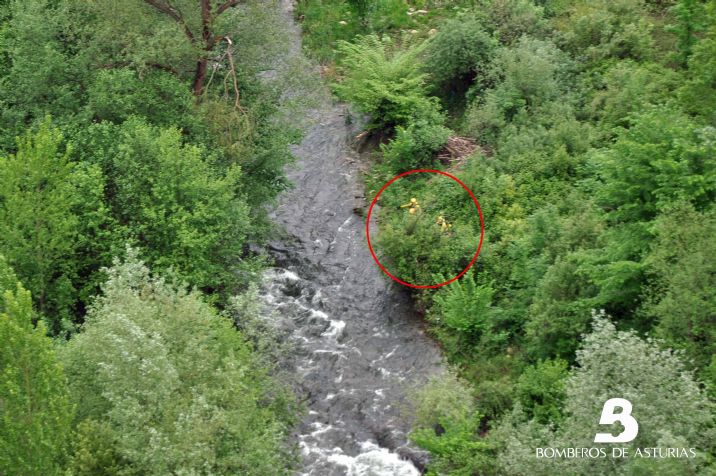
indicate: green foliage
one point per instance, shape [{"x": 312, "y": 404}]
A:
[
  {"x": 540, "y": 391},
  {"x": 42, "y": 78},
  {"x": 698, "y": 94},
  {"x": 445, "y": 425},
  {"x": 597, "y": 184},
  {"x": 631, "y": 88},
  {"x": 91, "y": 64},
  {"x": 163, "y": 384},
  {"x": 526, "y": 79},
  {"x": 662, "y": 158},
  {"x": 595, "y": 31},
  {"x": 681, "y": 296},
  {"x": 8, "y": 279},
  {"x": 35, "y": 410},
  {"x": 132, "y": 156},
  {"x": 158, "y": 96},
  {"x": 668, "y": 404},
  {"x": 166, "y": 198},
  {"x": 595, "y": 174},
  {"x": 510, "y": 20},
  {"x": 460, "y": 53},
  {"x": 415, "y": 146},
  {"x": 385, "y": 81},
  {"x": 326, "y": 23},
  {"x": 417, "y": 249},
  {"x": 465, "y": 308},
  {"x": 42, "y": 194},
  {"x": 689, "y": 15}
]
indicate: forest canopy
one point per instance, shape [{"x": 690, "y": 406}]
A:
[
  {"x": 142, "y": 143},
  {"x": 133, "y": 138}
]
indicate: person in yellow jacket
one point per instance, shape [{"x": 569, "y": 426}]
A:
[
  {"x": 413, "y": 206},
  {"x": 443, "y": 224}
]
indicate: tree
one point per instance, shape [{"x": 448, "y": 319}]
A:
[
  {"x": 697, "y": 94},
  {"x": 682, "y": 299},
  {"x": 167, "y": 198},
  {"x": 670, "y": 407},
  {"x": 35, "y": 412},
  {"x": 662, "y": 158},
  {"x": 165, "y": 385},
  {"x": 689, "y": 15},
  {"x": 459, "y": 54},
  {"x": 40, "y": 77},
  {"x": 446, "y": 425},
  {"x": 203, "y": 38},
  {"x": 38, "y": 229}
]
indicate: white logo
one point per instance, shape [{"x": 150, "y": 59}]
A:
[{"x": 631, "y": 427}]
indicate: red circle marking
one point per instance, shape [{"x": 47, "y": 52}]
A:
[{"x": 426, "y": 286}]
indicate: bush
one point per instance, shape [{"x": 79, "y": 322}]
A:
[
  {"x": 49, "y": 207},
  {"x": 417, "y": 248},
  {"x": 698, "y": 95},
  {"x": 35, "y": 410},
  {"x": 414, "y": 146},
  {"x": 465, "y": 308},
  {"x": 158, "y": 96},
  {"x": 661, "y": 159},
  {"x": 167, "y": 198},
  {"x": 599, "y": 29},
  {"x": 323, "y": 28},
  {"x": 447, "y": 424},
  {"x": 667, "y": 402},
  {"x": 526, "y": 79},
  {"x": 540, "y": 391},
  {"x": 513, "y": 19},
  {"x": 385, "y": 81},
  {"x": 682, "y": 299},
  {"x": 630, "y": 88},
  {"x": 163, "y": 384},
  {"x": 460, "y": 53}
]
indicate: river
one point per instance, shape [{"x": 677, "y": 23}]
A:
[{"x": 360, "y": 348}]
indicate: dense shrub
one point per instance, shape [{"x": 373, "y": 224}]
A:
[
  {"x": 540, "y": 391},
  {"x": 598, "y": 30},
  {"x": 414, "y": 146},
  {"x": 671, "y": 409},
  {"x": 512, "y": 19},
  {"x": 698, "y": 94},
  {"x": 668, "y": 160},
  {"x": 158, "y": 96},
  {"x": 164, "y": 384},
  {"x": 167, "y": 198},
  {"x": 385, "y": 80},
  {"x": 418, "y": 248},
  {"x": 459, "y": 54},
  {"x": 680, "y": 296},
  {"x": 35, "y": 409},
  {"x": 526, "y": 79},
  {"x": 49, "y": 208},
  {"x": 445, "y": 425}
]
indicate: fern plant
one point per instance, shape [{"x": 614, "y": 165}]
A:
[
  {"x": 385, "y": 81},
  {"x": 465, "y": 306}
]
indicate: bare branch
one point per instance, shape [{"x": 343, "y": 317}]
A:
[{"x": 226, "y": 5}]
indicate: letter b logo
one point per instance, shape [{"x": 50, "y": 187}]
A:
[{"x": 631, "y": 427}]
